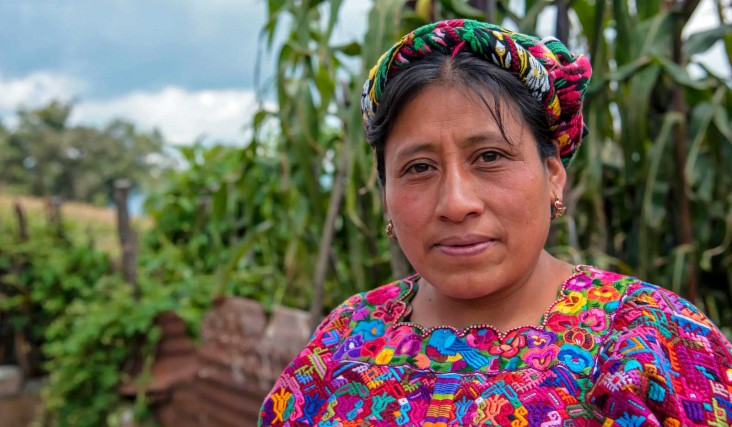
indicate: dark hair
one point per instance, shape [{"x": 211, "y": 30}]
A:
[{"x": 467, "y": 71}]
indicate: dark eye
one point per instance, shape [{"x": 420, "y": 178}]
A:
[
  {"x": 419, "y": 168},
  {"x": 489, "y": 156}
]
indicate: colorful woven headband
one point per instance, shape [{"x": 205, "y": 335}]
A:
[{"x": 553, "y": 75}]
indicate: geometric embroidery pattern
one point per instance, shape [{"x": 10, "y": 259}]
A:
[{"x": 612, "y": 350}]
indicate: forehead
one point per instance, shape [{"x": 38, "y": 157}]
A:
[{"x": 443, "y": 114}]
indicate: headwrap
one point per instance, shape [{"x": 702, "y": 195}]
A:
[{"x": 553, "y": 75}]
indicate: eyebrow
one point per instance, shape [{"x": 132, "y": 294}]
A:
[
  {"x": 495, "y": 137},
  {"x": 416, "y": 149},
  {"x": 480, "y": 138}
]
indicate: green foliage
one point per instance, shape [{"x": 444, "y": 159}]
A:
[
  {"x": 39, "y": 278},
  {"x": 45, "y": 156},
  {"x": 89, "y": 345},
  {"x": 626, "y": 200},
  {"x": 649, "y": 192},
  {"x": 647, "y": 156},
  {"x": 82, "y": 323},
  {"x": 251, "y": 220}
]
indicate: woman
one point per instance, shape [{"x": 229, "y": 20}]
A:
[{"x": 472, "y": 127}]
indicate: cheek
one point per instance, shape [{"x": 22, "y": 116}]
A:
[
  {"x": 406, "y": 208},
  {"x": 524, "y": 205}
]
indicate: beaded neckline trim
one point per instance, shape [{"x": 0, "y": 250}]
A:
[{"x": 424, "y": 332}]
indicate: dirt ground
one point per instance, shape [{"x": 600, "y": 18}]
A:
[{"x": 21, "y": 409}]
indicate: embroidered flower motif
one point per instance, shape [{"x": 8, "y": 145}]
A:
[
  {"x": 512, "y": 343},
  {"x": 351, "y": 347},
  {"x": 577, "y": 359},
  {"x": 361, "y": 313},
  {"x": 389, "y": 311},
  {"x": 594, "y": 318},
  {"x": 370, "y": 329},
  {"x": 482, "y": 339},
  {"x": 604, "y": 293},
  {"x": 383, "y": 294},
  {"x": 538, "y": 339},
  {"x": 540, "y": 358},
  {"x": 579, "y": 282},
  {"x": 572, "y": 303},
  {"x": 409, "y": 345},
  {"x": 384, "y": 356},
  {"x": 579, "y": 337},
  {"x": 373, "y": 347},
  {"x": 560, "y": 322},
  {"x": 422, "y": 361}
]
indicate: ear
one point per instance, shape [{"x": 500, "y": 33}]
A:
[
  {"x": 383, "y": 200},
  {"x": 556, "y": 174}
]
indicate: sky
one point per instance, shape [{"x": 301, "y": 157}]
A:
[{"x": 186, "y": 67}]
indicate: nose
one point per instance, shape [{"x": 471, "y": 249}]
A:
[{"x": 458, "y": 198}]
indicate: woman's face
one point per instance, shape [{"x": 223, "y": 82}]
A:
[{"x": 471, "y": 211}]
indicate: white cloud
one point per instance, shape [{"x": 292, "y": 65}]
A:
[
  {"x": 181, "y": 115},
  {"x": 37, "y": 89}
]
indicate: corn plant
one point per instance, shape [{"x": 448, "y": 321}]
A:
[{"x": 649, "y": 192}]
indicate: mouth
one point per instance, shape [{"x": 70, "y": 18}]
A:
[{"x": 464, "y": 245}]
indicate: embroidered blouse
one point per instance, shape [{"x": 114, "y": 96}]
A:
[{"x": 611, "y": 351}]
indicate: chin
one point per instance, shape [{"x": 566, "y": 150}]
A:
[{"x": 465, "y": 286}]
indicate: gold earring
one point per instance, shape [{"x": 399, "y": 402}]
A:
[
  {"x": 390, "y": 230},
  {"x": 558, "y": 208}
]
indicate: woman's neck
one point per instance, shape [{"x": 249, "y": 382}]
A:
[{"x": 516, "y": 304}]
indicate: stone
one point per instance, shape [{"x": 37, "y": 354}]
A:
[{"x": 11, "y": 380}]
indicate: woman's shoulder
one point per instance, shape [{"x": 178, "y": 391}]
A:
[
  {"x": 646, "y": 304},
  {"x": 664, "y": 360},
  {"x": 397, "y": 290},
  {"x": 361, "y": 303},
  {"x": 640, "y": 302}
]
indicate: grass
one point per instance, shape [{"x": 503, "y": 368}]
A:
[{"x": 82, "y": 222}]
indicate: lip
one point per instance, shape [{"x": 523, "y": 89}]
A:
[{"x": 464, "y": 245}]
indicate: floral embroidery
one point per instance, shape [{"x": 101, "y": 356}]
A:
[
  {"x": 510, "y": 346},
  {"x": 580, "y": 338},
  {"x": 540, "y": 339},
  {"x": 371, "y": 329},
  {"x": 594, "y": 318},
  {"x": 540, "y": 358},
  {"x": 572, "y": 303},
  {"x": 612, "y": 350},
  {"x": 604, "y": 293},
  {"x": 388, "y": 312}
]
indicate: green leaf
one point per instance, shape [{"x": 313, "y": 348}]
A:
[
  {"x": 350, "y": 49},
  {"x": 326, "y": 86},
  {"x": 620, "y": 74},
  {"x": 702, "y": 41},
  {"x": 681, "y": 76},
  {"x": 462, "y": 9}
]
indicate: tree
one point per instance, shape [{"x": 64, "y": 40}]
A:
[{"x": 45, "y": 156}]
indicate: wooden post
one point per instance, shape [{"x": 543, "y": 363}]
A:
[
  {"x": 22, "y": 223},
  {"x": 55, "y": 219},
  {"x": 22, "y": 348},
  {"x": 127, "y": 237}
]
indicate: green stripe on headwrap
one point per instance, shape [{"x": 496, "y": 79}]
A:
[{"x": 546, "y": 67}]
